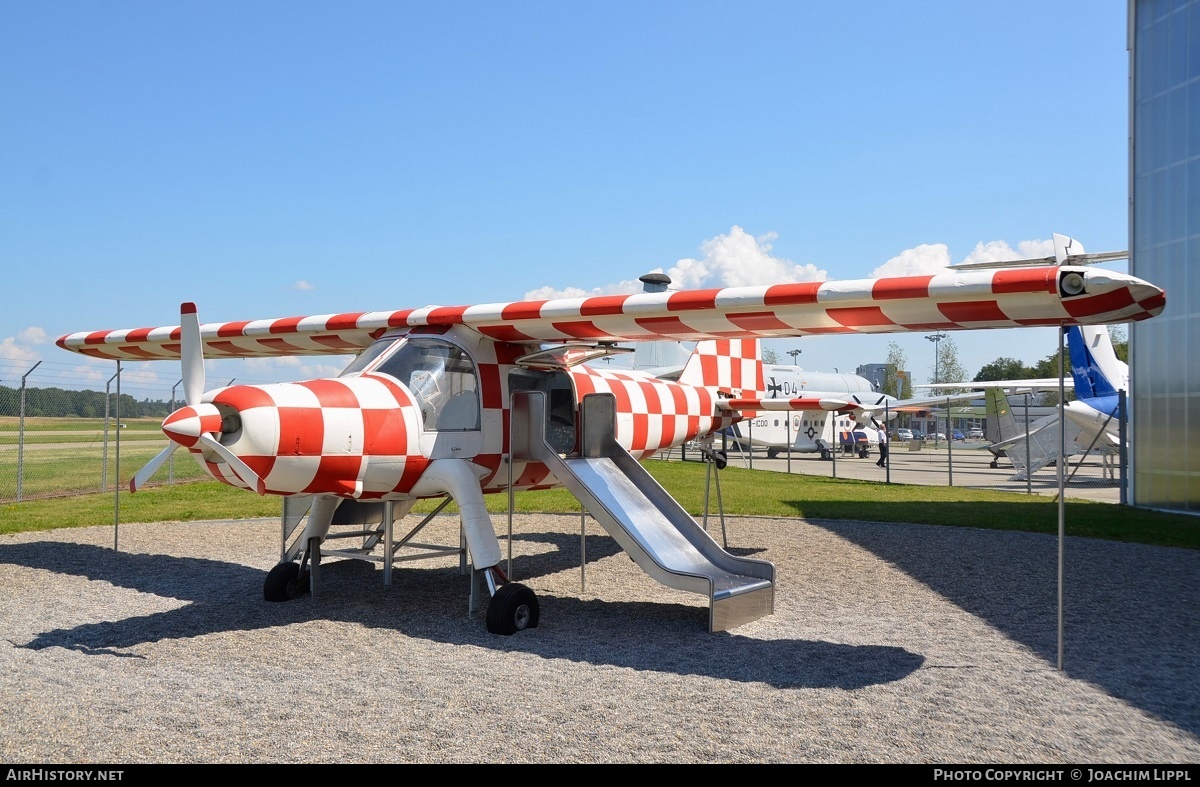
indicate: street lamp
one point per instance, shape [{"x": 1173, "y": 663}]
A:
[
  {"x": 794, "y": 353},
  {"x": 935, "y": 338}
]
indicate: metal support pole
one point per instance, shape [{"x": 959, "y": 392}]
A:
[
  {"x": 171, "y": 458},
  {"x": 1028, "y": 474},
  {"x": 720, "y": 503},
  {"x": 21, "y": 434},
  {"x": 887, "y": 464},
  {"x": 104, "y": 458},
  {"x": 1062, "y": 502},
  {"x": 788, "y": 431},
  {"x": 117, "y": 466},
  {"x": 949, "y": 444},
  {"x": 509, "y": 460},
  {"x": 1122, "y": 456},
  {"x": 837, "y": 444}
]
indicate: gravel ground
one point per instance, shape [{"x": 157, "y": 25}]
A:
[{"x": 889, "y": 643}]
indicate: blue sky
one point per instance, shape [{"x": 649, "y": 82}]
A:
[{"x": 269, "y": 159}]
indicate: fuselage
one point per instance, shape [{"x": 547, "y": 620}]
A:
[
  {"x": 800, "y": 430},
  {"x": 415, "y": 397}
]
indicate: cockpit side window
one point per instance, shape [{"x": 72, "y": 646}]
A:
[{"x": 441, "y": 378}]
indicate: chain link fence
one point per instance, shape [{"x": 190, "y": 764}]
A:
[
  {"x": 64, "y": 430},
  {"x": 1095, "y": 471}
]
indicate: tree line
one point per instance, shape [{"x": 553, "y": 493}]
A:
[
  {"x": 61, "y": 403},
  {"x": 948, "y": 369}
]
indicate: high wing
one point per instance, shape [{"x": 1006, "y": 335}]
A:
[
  {"x": 849, "y": 403},
  {"x": 1032, "y": 384},
  {"x": 1004, "y": 298}
]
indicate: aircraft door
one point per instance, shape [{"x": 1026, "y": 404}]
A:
[{"x": 561, "y": 412}]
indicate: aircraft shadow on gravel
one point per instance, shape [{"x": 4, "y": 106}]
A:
[{"x": 430, "y": 603}]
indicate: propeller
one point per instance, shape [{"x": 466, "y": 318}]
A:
[
  {"x": 240, "y": 468},
  {"x": 195, "y": 423},
  {"x": 192, "y": 353},
  {"x": 868, "y": 410}
]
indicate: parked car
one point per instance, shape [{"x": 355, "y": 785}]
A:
[
  {"x": 903, "y": 434},
  {"x": 958, "y": 435},
  {"x": 937, "y": 436},
  {"x": 975, "y": 434},
  {"x": 917, "y": 434}
]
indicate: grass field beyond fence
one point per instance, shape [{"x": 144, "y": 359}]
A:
[
  {"x": 71, "y": 456},
  {"x": 745, "y": 493}
]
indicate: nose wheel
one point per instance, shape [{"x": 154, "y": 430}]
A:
[
  {"x": 513, "y": 608},
  {"x": 285, "y": 582}
]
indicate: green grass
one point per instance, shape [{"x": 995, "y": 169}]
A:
[
  {"x": 56, "y": 471},
  {"x": 745, "y": 493},
  {"x": 13, "y": 424},
  {"x": 83, "y": 436}
]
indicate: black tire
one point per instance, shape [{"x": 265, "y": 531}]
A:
[
  {"x": 284, "y": 583},
  {"x": 514, "y": 608},
  {"x": 772, "y": 453}
]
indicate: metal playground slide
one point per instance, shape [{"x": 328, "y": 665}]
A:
[{"x": 660, "y": 536}]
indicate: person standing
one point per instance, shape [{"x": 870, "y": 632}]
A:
[{"x": 883, "y": 447}]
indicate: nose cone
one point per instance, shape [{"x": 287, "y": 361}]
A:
[{"x": 185, "y": 425}]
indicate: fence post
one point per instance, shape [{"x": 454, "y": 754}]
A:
[
  {"x": 21, "y": 434},
  {"x": 171, "y": 458},
  {"x": 1122, "y": 455},
  {"x": 117, "y": 469},
  {"x": 104, "y": 457},
  {"x": 949, "y": 444}
]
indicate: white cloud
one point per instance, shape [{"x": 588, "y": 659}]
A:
[
  {"x": 738, "y": 259},
  {"x": 10, "y": 350},
  {"x": 921, "y": 260},
  {"x": 734, "y": 259},
  {"x": 17, "y": 348},
  {"x": 999, "y": 251},
  {"x": 930, "y": 258},
  {"x": 32, "y": 335},
  {"x": 303, "y": 285}
]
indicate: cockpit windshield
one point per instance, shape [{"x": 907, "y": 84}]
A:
[{"x": 440, "y": 376}]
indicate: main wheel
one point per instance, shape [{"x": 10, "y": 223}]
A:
[
  {"x": 772, "y": 453},
  {"x": 285, "y": 582},
  {"x": 514, "y": 608}
]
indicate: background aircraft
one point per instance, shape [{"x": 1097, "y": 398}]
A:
[
  {"x": 461, "y": 401},
  {"x": 1093, "y": 421}
]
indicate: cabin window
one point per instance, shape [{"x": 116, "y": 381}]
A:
[{"x": 440, "y": 376}]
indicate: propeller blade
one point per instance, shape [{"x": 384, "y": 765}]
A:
[
  {"x": 192, "y": 352},
  {"x": 151, "y": 467},
  {"x": 240, "y": 468}
]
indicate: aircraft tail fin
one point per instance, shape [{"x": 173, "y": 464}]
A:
[
  {"x": 1001, "y": 424},
  {"x": 732, "y": 366},
  {"x": 1094, "y": 363}
]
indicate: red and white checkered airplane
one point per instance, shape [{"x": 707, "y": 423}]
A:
[{"x": 424, "y": 409}]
